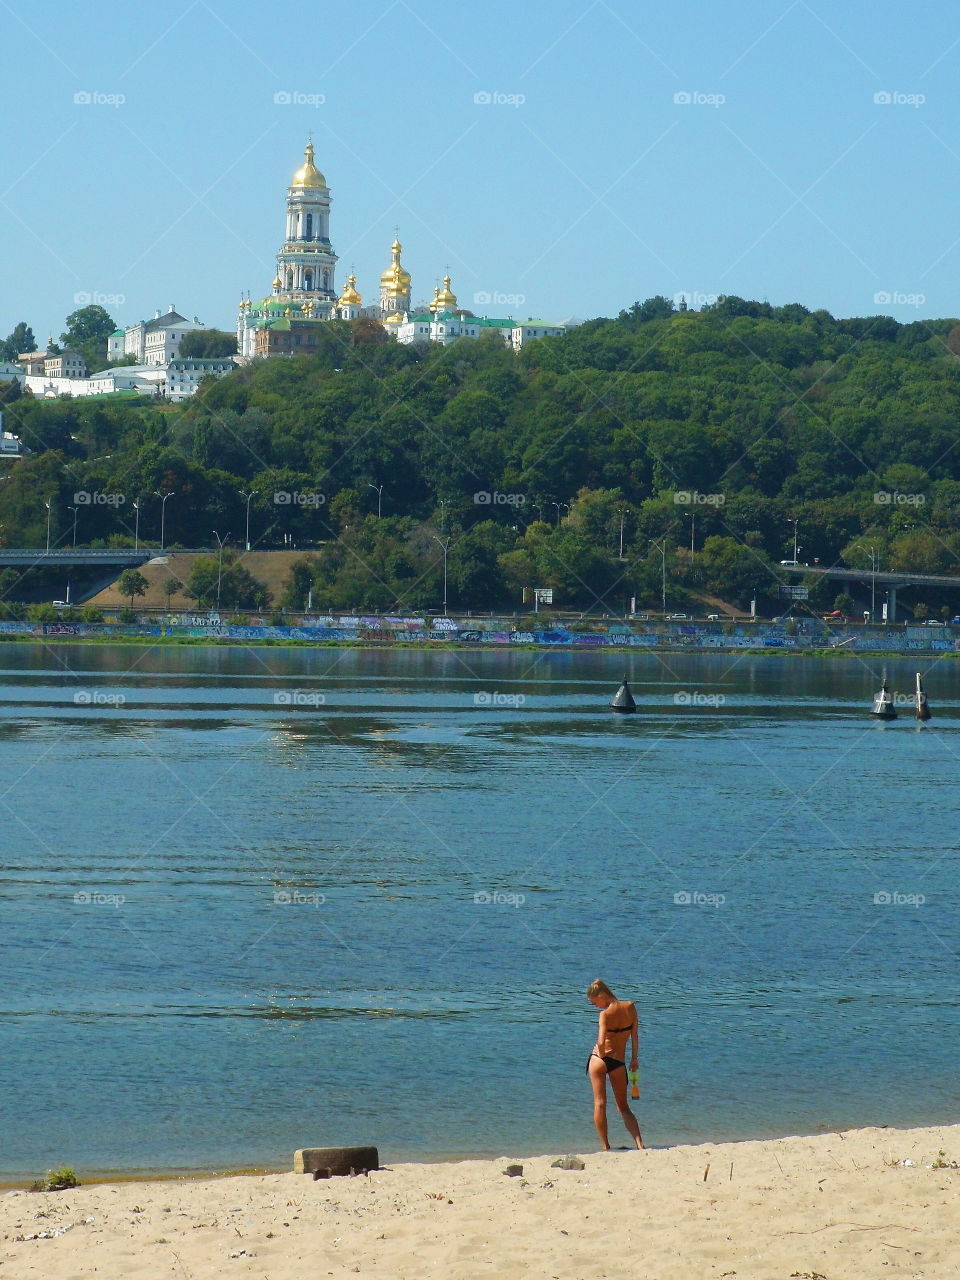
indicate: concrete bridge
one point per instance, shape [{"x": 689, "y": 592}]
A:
[
  {"x": 890, "y": 582},
  {"x": 82, "y": 557}
]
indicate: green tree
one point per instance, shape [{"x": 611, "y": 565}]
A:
[
  {"x": 299, "y": 583},
  {"x": 736, "y": 572},
  {"x": 208, "y": 344},
  {"x": 42, "y": 613},
  {"x": 170, "y": 588},
  {"x": 18, "y": 342},
  {"x": 225, "y": 582},
  {"x": 132, "y": 583},
  {"x": 87, "y": 331}
]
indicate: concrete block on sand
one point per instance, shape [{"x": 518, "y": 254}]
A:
[{"x": 334, "y": 1162}]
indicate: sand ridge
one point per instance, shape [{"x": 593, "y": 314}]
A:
[{"x": 837, "y": 1206}]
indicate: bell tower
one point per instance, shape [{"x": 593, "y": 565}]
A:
[{"x": 306, "y": 263}]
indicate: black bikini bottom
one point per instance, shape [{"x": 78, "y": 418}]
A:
[{"x": 609, "y": 1061}]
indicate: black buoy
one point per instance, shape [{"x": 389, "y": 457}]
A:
[
  {"x": 923, "y": 706},
  {"x": 623, "y": 700},
  {"x": 883, "y": 707}
]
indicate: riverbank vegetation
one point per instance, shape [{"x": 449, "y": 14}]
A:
[{"x": 661, "y": 451}]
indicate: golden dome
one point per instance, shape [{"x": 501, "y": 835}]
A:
[
  {"x": 444, "y": 299},
  {"x": 394, "y": 317},
  {"x": 395, "y": 281},
  {"x": 277, "y": 282},
  {"x": 350, "y": 297},
  {"x": 308, "y": 175}
]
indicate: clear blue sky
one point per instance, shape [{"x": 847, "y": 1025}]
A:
[{"x": 597, "y": 189}]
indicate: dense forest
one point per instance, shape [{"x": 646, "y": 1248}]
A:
[{"x": 687, "y": 447}]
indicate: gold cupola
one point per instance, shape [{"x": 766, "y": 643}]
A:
[
  {"x": 350, "y": 297},
  {"x": 395, "y": 281},
  {"x": 308, "y": 175},
  {"x": 446, "y": 299}
]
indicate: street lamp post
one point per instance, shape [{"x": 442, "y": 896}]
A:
[
  {"x": 874, "y": 555},
  {"x": 220, "y": 542},
  {"x": 693, "y": 522},
  {"x": 379, "y": 492},
  {"x": 47, "y": 504},
  {"x": 249, "y": 497},
  {"x": 622, "y": 513},
  {"x": 163, "y": 512},
  {"x": 445, "y": 545},
  {"x": 443, "y": 511},
  {"x": 558, "y": 505},
  {"x": 662, "y": 546},
  {"x": 74, "y": 510},
  {"x": 136, "y": 526},
  {"x": 795, "y": 524}
]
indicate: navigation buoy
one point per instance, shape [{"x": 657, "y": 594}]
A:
[
  {"x": 923, "y": 706},
  {"x": 883, "y": 707},
  {"x": 623, "y": 699}
]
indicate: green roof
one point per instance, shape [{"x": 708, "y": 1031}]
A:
[
  {"x": 117, "y": 333},
  {"x": 445, "y": 316},
  {"x": 280, "y": 305}
]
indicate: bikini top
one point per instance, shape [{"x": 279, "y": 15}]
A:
[{"x": 617, "y": 1030}]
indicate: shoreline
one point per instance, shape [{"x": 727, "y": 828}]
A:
[
  {"x": 837, "y": 1206},
  {"x": 151, "y": 1175},
  {"x": 672, "y": 650}
]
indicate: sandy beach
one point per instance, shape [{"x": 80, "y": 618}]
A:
[{"x": 840, "y": 1206}]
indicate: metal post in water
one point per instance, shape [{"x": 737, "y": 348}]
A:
[{"x": 923, "y": 706}]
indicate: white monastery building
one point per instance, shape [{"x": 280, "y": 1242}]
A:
[
  {"x": 303, "y": 295},
  {"x": 160, "y": 370}
]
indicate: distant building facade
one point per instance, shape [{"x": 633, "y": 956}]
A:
[
  {"x": 160, "y": 370},
  {"x": 155, "y": 341},
  {"x": 65, "y": 364}
]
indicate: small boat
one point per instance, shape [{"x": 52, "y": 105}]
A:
[
  {"x": 883, "y": 707},
  {"x": 623, "y": 700},
  {"x": 923, "y": 706}
]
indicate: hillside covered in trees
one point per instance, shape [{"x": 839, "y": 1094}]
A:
[{"x": 692, "y": 442}]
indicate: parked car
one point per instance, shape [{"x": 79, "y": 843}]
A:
[
  {"x": 835, "y": 616},
  {"x": 955, "y": 622},
  {"x": 642, "y": 617},
  {"x": 61, "y": 604},
  {"x": 678, "y": 617},
  {"x": 713, "y": 617},
  {"x": 934, "y": 622}
]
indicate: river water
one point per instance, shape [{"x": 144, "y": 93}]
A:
[{"x": 257, "y": 899}]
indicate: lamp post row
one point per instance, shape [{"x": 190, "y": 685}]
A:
[{"x": 163, "y": 498}]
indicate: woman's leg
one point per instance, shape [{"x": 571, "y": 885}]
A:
[
  {"x": 598, "y": 1082},
  {"x": 618, "y": 1082}
]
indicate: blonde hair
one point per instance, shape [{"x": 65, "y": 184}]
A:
[{"x": 598, "y": 988}]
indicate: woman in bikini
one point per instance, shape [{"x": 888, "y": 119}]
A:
[{"x": 618, "y": 1020}]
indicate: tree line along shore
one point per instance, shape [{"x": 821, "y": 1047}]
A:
[{"x": 662, "y": 454}]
